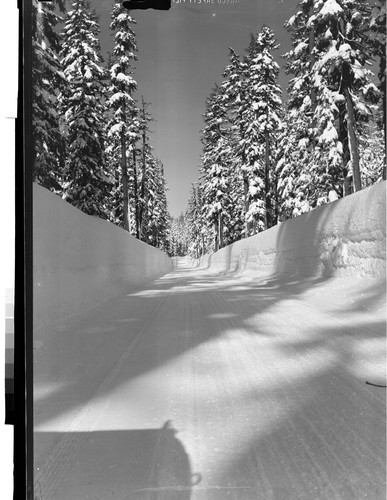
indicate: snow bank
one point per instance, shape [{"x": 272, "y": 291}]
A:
[
  {"x": 80, "y": 261},
  {"x": 346, "y": 238}
]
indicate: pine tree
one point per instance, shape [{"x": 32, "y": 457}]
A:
[
  {"x": 295, "y": 187},
  {"x": 338, "y": 77},
  {"x": 377, "y": 42},
  {"x": 145, "y": 158},
  {"x": 122, "y": 126},
  {"x": 178, "y": 237},
  {"x": 215, "y": 169},
  {"x": 258, "y": 119},
  {"x": 48, "y": 144},
  {"x": 344, "y": 68},
  {"x": 312, "y": 139},
  {"x": 196, "y": 225},
  {"x": 268, "y": 107},
  {"x": 155, "y": 213},
  {"x": 87, "y": 181},
  {"x": 233, "y": 95}
]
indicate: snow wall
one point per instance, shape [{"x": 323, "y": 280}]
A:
[
  {"x": 346, "y": 238},
  {"x": 80, "y": 261}
]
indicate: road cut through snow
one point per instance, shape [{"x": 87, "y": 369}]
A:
[{"x": 204, "y": 386}]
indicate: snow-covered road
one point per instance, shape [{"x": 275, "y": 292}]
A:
[{"x": 209, "y": 387}]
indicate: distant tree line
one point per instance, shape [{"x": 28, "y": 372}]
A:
[{"x": 265, "y": 158}]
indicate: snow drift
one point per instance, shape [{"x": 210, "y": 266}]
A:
[
  {"x": 80, "y": 261},
  {"x": 346, "y": 238}
]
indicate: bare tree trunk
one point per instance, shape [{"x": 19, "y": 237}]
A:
[
  {"x": 135, "y": 193},
  {"x": 343, "y": 137},
  {"x": 141, "y": 211},
  {"x": 353, "y": 144},
  {"x": 216, "y": 231},
  {"x": 125, "y": 184},
  {"x": 220, "y": 226},
  {"x": 312, "y": 60},
  {"x": 247, "y": 205},
  {"x": 255, "y": 225},
  {"x": 268, "y": 221},
  {"x": 276, "y": 201},
  {"x": 382, "y": 71}
]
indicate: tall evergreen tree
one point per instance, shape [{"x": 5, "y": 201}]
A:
[
  {"x": 215, "y": 166},
  {"x": 155, "y": 212},
  {"x": 196, "y": 226},
  {"x": 87, "y": 181},
  {"x": 377, "y": 41},
  {"x": 332, "y": 73},
  {"x": 312, "y": 140},
  {"x": 47, "y": 79},
  {"x": 122, "y": 126},
  {"x": 233, "y": 95},
  {"x": 145, "y": 158},
  {"x": 178, "y": 240},
  {"x": 268, "y": 108},
  {"x": 296, "y": 189},
  {"x": 258, "y": 119}
]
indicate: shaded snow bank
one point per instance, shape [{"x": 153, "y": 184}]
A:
[
  {"x": 80, "y": 261},
  {"x": 346, "y": 238}
]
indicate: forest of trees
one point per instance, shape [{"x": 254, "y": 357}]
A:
[
  {"x": 267, "y": 156},
  {"x": 91, "y": 138}
]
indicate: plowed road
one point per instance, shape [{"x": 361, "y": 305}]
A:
[{"x": 204, "y": 386}]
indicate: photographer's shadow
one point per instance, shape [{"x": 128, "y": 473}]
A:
[
  {"x": 144, "y": 464},
  {"x": 170, "y": 476}
]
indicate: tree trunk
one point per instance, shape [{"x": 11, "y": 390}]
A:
[
  {"x": 141, "y": 211},
  {"x": 247, "y": 205},
  {"x": 255, "y": 225},
  {"x": 353, "y": 144},
  {"x": 343, "y": 137},
  {"x": 312, "y": 61},
  {"x": 382, "y": 70},
  {"x": 135, "y": 193},
  {"x": 125, "y": 186},
  {"x": 216, "y": 231},
  {"x": 276, "y": 201},
  {"x": 220, "y": 226},
  {"x": 268, "y": 221}
]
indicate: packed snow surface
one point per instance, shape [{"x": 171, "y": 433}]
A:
[
  {"x": 256, "y": 373},
  {"x": 206, "y": 386}
]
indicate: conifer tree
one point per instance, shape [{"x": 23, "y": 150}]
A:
[
  {"x": 196, "y": 226},
  {"x": 47, "y": 79},
  {"x": 178, "y": 241},
  {"x": 338, "y": 78},
  {"x": 296, "y": 189},
  {"x": 377, "y": 42},
  {"x": 312, "y": 116},
  {"x": 233, "y": 95},
  {"x": 145, "y": 158},
  {"x": 87, "y": 181},
  {"x": 122, "y": 126},
  {"x": 267, "y": 106},
  {"x": 217, "y": 163},
  {"x": 155, "y": 212}
]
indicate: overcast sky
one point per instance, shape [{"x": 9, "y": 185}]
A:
[{"x": 182, "y": 54}]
